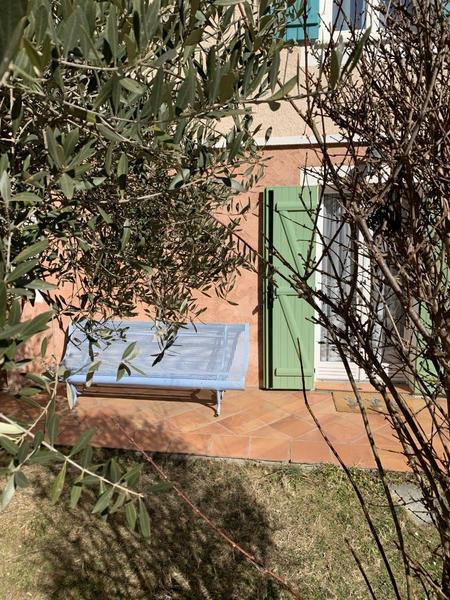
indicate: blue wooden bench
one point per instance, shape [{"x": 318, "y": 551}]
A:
[{"x": 205, "y": 356}]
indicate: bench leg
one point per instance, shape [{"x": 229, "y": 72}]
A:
[{"x": 219, "y": 396}]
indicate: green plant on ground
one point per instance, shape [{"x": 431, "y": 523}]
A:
[{"x": 295, "y": 519}]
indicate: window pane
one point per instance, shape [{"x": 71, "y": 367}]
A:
[
  {"x": 348, "y": 12},
  {"x": 338, "y": 268}
]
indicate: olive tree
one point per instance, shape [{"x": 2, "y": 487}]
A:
[{"x": 124, "y": 128}]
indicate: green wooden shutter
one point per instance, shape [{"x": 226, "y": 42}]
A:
[
  {"x": 295, "y": 31},
  {"x": 425, "y": 368},
  {"x": 287, "y": 323}
]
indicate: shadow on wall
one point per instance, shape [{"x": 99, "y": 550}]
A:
[
  {"x": 261, "y": 294},
  {"x": 89, "y": 559}
]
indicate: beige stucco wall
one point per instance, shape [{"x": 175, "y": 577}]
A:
[{"x": 287, "y": 120}]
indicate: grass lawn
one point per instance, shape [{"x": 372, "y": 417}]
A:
[{"x": 294, "y": 519}]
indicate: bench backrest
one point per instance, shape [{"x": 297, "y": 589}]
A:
[{"x": 213, "y": 351}]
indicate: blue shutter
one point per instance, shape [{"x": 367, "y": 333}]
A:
[{"x": 295, "y": 30}]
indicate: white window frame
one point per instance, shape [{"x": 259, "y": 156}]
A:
[
  {"x": 329, "y": 370},
  {"x": 372, "y": 20},
  {"x": 325, "y": 370}
]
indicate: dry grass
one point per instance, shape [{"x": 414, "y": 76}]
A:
[{"x": 295, "y": 520}]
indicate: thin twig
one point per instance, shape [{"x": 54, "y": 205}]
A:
[
  {"x": 361, "y": 569},
  {"x": 72, "y": 462},
  {"x": 354, "y": 485}
]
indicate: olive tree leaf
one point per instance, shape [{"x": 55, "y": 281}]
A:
[
  {"x": 130, "y": 351},
  {"x": 144, "y": 519},
  {"x": 22, "y": 269},
  {"x": 93, "y": 367},
  {"x": 186, "y": 93},
  {"x": 8, "y": 493},
  {"x": 118, "y": 503},
  {"x": 103, "y": 502},
  {"x": 114, "y": 471},
  {"x": 58, "y": 484},
  {"x": 109, "y": 133},
  {"x": 122, "y": 170},
  {"x": 10, "y": 429},
  {"x": 46, "y": 457},
  {"x": 122, "y": 370},
  {"x": 83, "y": 441},
  {"x": 335, "y": 67},
  {"x": 75, "y": 494},
  {"x": 71, "y": 399},
  {"x": 52, "y": 428},
  {"x": 194, "y": 37},
  {"x": 355, "y": 55},
  {"x": 131, "y": 515},
  {"x": 5, "y": 187},
  {"x": 32, "y": 250},
  {"x": 37, "y": 324},
  {"x": 112, "y": 34},
  {"x": 226, "y": 86},
  {"x": 12, "y": 22},
  {"x": 67, "y": 185},
  {"x": 20, "y": 479},
  {"x": 132, "y": 85},
  {"x": 284, "y": 90},
  {"x": 227, "y": 2},
  {"x": 8, "y": 445},
  {"x": 133, "y": 475}
]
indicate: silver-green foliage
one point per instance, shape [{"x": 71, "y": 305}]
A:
[{"x": 114, "y": 161}]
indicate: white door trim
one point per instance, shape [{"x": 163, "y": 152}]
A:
[
  {"x": 325, "y": 370},
  {"x": 335, "y": 370},
  {"x": 329, "y": 370}
]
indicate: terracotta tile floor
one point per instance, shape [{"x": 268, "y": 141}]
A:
[{"x": 255, "y": 424}]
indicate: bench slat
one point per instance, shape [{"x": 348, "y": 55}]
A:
[{"x": 211, "y": 356}]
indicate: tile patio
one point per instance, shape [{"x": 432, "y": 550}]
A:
[{"x": 254, "y": 424}]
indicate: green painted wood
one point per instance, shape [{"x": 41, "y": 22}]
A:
[
  {"x": 425, "y": 368},
  {"x": 287, "y": 318}
]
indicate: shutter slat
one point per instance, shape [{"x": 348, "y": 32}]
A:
[{"x": 295, "y": 30}]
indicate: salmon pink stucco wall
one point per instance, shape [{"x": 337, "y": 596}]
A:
[{"x": 283, "y": 167}]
